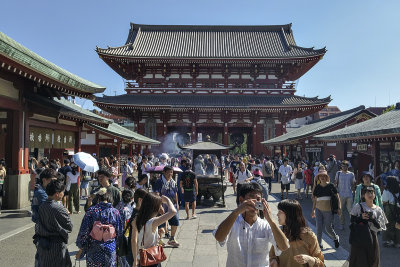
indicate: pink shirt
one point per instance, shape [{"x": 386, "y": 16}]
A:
[{"x": 114, "y": 172}]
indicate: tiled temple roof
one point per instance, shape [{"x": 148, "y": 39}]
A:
[
  {"x": 189, "y": 41},
  {"x": 214, "y": 100}
]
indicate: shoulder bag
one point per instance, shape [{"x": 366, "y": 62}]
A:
[
  {"x": 152, "y": 255},
  {"x": 123, "y": 242},
  {"x": 87, "y": 178},
  {"x": 360, "y": 234},
  {"x": 334, "y": 202}
]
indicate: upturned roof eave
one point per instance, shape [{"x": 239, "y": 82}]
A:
[
  {"x": 322, "y": 101},
  {"x": 213, "y": 107},
  {"x": 105, "y": 53},
  {"x": 15, "y": 52}
]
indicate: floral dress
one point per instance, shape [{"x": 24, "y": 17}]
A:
[{"x": 99, "y": 253}]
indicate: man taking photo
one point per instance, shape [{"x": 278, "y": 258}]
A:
[{"x": 246, "y": 235}]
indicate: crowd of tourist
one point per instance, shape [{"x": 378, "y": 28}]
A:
[
  {"x": 130, "y": 201},
  {"x": 112, "y": 210}
]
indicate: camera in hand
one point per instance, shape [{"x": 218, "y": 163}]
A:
[{"x": 259, "y": 205}]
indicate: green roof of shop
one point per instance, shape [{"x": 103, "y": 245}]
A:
[
  {"x": 22, "y": 55},
  {"x": 122, "y": 132},
  {"x": 317, "y": 126},
  {"x": 385, "y": 124},
  {"x": 79, "y": 110},
  {"x": 112, "y": 128}
]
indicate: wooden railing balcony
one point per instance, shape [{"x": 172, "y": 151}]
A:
[
  {"x": 228, "y": 91},
  {"x": 218, "y": 88}
]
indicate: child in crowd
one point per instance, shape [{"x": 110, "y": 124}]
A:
[
  {"x": 308, "y": 175},
  {"x": 261, "y": 182},
  {"x": 142, "y": 183}
]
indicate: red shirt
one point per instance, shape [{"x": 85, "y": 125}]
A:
[{"x": 309, "y": 176}]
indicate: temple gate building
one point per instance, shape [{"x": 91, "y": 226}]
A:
[{"x": 234, "y": 83}]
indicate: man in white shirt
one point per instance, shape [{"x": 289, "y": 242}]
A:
[
  {"x": 242, "y": 176},
  {"x": 345, "y": 182},
  {"x": 247, "y": 235},
  {"x": 285, "y": 172}
]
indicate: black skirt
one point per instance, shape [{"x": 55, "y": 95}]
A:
[{"x": 362, "y": 256}]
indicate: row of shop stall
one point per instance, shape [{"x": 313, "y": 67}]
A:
[{"x": 368, "y": 140}]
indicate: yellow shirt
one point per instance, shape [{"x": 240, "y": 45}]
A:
[
  {"x": 307, "y": 245},
  {"x": 3, "y": 174}
]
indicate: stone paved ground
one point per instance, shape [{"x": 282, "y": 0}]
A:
[{"x": 198, "y": 247}]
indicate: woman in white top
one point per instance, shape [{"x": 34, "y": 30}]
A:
[
  {"x": 298, "y": 177},
  {"x": 72, "y": 186},
  {"x": 147, "y": 222},
  {"x": 368, "y": 213}
]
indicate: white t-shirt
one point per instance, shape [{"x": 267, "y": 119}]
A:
[
  {"x": 248, "y": 245},
  {"x": 377, "y": 213},
  {"x": 73, "y": 178},
  {"x": 285, "y": 172},
  {"x": 242, "y": 176}
]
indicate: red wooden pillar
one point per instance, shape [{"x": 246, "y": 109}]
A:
[
  {"x": 78, "y": 139},
  {"x": 303, "y": 149},
  {"x": 26, "y": 143},
  {"x": 97, "y": 145},
  {"x": 130, "y": 150},
  {"x": 226, "y": 134},
  {"x": 137, "y": 149},
  {"x": 17, "y": 152},
  {"x": 376, "y": 155},
  {"x": 118, "y": 156},
  {"x": 194, "y": 133},
  {"x": 254, "y": 138}
]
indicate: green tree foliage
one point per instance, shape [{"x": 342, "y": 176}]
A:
[
  {"x": 242, "y": 149},
  {"x": 389, "y": 108}
]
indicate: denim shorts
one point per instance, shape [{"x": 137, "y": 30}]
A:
[{"x": 84, "y": 184}]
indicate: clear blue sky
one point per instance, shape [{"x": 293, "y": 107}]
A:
[{"x": 362, "y": 37}]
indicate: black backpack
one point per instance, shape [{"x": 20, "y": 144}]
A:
[
  {"x": 139, "y": 168},
  {"x": 123, "y": 242}
]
